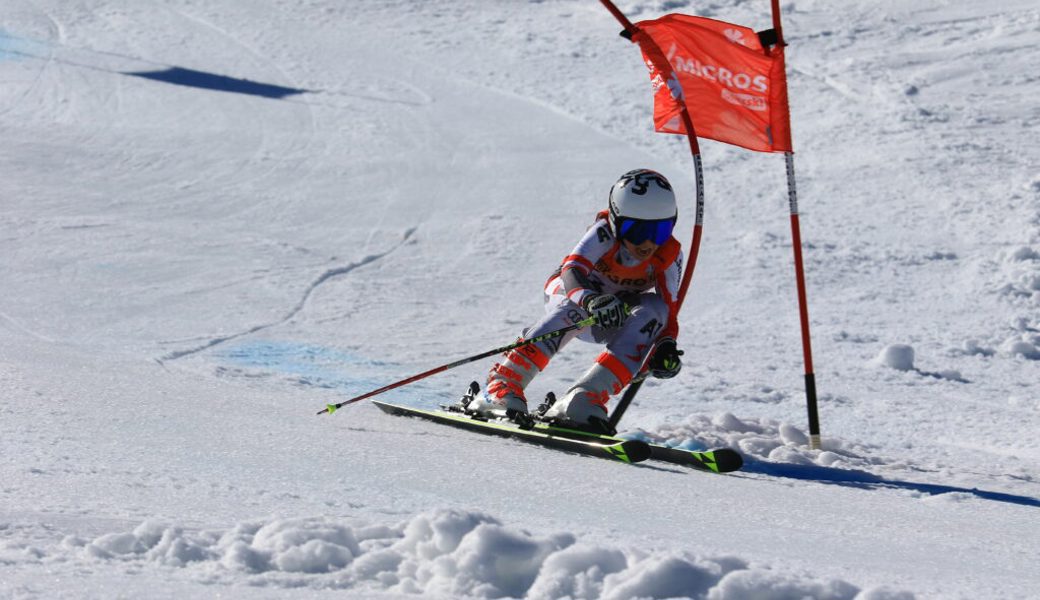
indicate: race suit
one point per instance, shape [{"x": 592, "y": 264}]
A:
[{"x": 600, "y": 264}]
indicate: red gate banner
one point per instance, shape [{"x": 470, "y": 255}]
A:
[{"x": 735, "y": 91}]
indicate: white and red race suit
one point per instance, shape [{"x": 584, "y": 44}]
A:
[{"x": 600, "y": 264}]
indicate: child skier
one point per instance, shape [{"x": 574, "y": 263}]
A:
[{"x": 625, "y": 271}]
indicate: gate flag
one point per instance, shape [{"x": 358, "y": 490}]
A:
[{"x": 734, "y": 88}]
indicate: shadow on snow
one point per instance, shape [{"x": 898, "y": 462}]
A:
[
  {"x": 212, "y": 81},
  {"x": 17, "y": 47},
  {"x": 865, "y": 480}
]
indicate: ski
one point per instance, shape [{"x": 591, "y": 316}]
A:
[
  {"x": 718, "y": 460},
  {"x": 628, "y": 451}
]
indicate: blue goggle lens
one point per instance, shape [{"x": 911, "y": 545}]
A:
[{"x": 638, "y": 231}]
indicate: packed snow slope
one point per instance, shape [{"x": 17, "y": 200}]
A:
[{"x": 217, "y": 217}]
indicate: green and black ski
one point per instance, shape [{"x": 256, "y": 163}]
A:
[
  {"x": 718, "y": 460},
  {"x": 629, "y": 451}
]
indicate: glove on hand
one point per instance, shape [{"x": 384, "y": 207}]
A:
[
  {"x": 665, "y": 363},
  {"x": 610, "y": 312}
]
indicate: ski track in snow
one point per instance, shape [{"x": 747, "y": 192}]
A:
[{"x": 324, "y": 277}]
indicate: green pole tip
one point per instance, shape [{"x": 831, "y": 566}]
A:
[{"x": 331, "y": 408}]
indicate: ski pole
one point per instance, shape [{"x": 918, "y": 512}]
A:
[{"x": 331, "y": 408}]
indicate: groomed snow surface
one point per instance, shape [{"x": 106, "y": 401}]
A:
[{"x": 217, "y": 217}]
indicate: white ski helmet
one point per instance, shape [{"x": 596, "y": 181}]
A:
[{"x": 642, "y": 206}]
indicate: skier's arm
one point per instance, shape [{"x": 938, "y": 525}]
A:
[
  {"x": 576, "y": 267},
  {"x": 665, "y": 362},
  {"x": 668, "y": 287}
]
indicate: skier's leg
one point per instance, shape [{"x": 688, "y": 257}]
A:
[
  {"x": 587, "y": 399},
  {"x": 508, "y": 379}
]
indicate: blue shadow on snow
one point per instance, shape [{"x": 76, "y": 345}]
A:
[
  {"x": 17, "y": 47},
  {"x": 9, "y": 46},
  {"x": 864, "y": 480},
  {"x": 212, "y": 81},
  {"x": 313, "y": 366}
]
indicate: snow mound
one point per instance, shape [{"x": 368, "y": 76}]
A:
[
  {"x": 973, "y": 348},
  {"x": 1026, "y": 345},
  {"x": 760, "y": 439},
  {"x": 1021, "y": 272},
  {"x": 900, "y": 357},
  {"x": 450, "y": 553},
  {"x": 152, "y": 541},
  {"x": 896, "y": 356}
]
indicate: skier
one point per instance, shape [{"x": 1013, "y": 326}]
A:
[{"x": 625, "y": 271}]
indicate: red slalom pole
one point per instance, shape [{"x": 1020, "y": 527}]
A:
[
  {"x": 799, "y": 269},
  {"x": 803, "y": 309},
  {"x": 620, "y": 16},
  {"x": 660, "y": 62},
  {"x": 657, "y": 57},
  {"x": 777, "y": 26}
]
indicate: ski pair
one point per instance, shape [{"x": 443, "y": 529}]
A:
[
  {"x": 630, "y": 451},
  {"x": 529, "y": 428}
]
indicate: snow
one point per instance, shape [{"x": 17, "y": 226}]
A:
[
  {"x": 897, "y": 356},
  {"x": 219, "y": 217},
  {"x": 440, "y": 553}
]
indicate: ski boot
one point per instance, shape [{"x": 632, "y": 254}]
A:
[{"x": 484, "y": 406}]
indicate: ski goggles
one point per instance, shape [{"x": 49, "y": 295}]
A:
[{"x": 638, "y": 231}]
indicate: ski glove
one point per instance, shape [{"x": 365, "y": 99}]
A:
[
  {"x": 665, "y": 363},
  {"x": 610, "y": 312}
]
